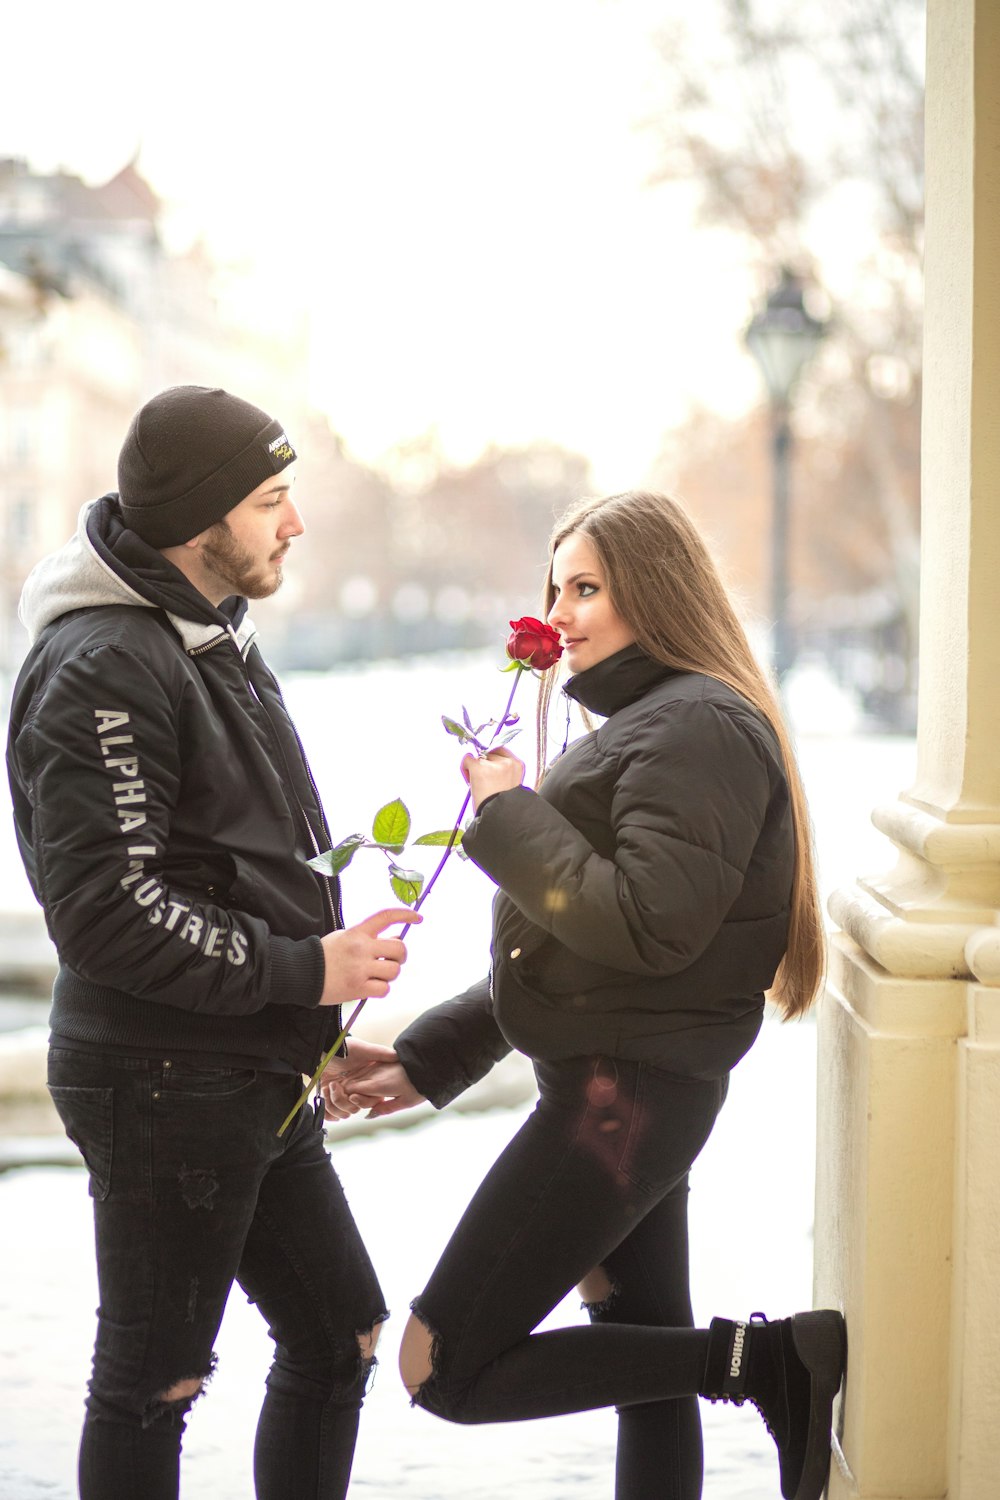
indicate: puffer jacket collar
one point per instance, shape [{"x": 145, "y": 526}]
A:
[{"x": 616, "y": 681}]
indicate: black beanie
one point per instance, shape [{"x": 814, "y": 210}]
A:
[{"x": 190, "y": 455}]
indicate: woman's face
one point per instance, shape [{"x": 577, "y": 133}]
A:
[{"x": 589, "y": 626}]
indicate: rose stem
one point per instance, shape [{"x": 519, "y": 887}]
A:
[{"x": 325, "y": 1060}]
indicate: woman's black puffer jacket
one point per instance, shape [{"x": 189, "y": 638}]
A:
[{"x": 644, "y": 890}]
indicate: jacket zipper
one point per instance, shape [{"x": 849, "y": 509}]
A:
[
  {"x": 208, "y": 646},
  {"x": 334, "y": 911},
  {"x": 324, "y": 881},
  {"x": 319, "y": 806}
]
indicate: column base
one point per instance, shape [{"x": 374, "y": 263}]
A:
[{"x": 884, "y": 1218}]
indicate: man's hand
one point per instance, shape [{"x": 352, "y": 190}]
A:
[
  {"x": 499, "y": 771},
  {"x": 371, "y": 1078},
  {"x": 360, "y": 963},
  {"x": 361, "y": 1055}
]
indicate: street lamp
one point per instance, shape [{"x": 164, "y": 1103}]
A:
[{"x": 782, "y": 338}]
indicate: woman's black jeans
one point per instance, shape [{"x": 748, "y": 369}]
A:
[
  {"x": 597, "y": 1176},
  {"x": 192, "y": 1189}
]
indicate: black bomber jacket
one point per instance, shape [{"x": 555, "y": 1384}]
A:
[
  {"x": 644, "y": 891},
  {"x": 165, "y": 813}
]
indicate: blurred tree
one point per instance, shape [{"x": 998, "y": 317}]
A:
[
  {"x": 487, "y": 526},
  {"x": 842, "y": 548},
  {"x": 333, "y": 601},
  {"x": 418, "y": 556},
  {"x": 802, "y": 128}
]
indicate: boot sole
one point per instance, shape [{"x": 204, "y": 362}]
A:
[{"x": 820, "y": 1340}]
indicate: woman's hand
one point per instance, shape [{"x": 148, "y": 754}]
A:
[
  {"x": 498, "y": 771},
  {"x": 339, "y": 1071},
  {"x": 370, "y": 1078}
]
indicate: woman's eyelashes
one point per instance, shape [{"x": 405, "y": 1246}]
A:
[{"x": 583, "y": 590}]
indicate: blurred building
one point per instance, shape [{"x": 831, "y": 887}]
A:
[
  {"x": 418, "y": 557},
  {"x": 96, "y": 315}
]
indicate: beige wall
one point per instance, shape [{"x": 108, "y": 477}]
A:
[{"x": 908, "y": 1171}]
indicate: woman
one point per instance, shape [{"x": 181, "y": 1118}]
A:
[{"x": 658, "y": 883}]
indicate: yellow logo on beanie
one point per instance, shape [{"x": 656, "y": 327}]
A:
[{"x": 281, "y": 449}]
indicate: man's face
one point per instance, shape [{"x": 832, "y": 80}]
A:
[{"x": 243, "y": 554}]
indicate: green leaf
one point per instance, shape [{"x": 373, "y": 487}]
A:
[
  {"x": 339, "y": 857},
  {"x": 391, "y": 827},
  {"x": 407, "y": 884},
  {"x": 515, "y": 666},
  {"x": 456, "y": 729},
  {"x": 443, "y": 836}
]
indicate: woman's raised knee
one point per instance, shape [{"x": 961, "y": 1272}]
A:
[{"x": 415, "y": 1351}]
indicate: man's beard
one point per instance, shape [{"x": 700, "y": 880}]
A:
[{"x": 233, "y": 564}]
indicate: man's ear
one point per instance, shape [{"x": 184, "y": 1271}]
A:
[{"x": 175, "y": 553}]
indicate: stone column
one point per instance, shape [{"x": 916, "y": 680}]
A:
[{"x": 908, "y": 1169}]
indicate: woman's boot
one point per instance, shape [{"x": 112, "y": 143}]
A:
[{"x": 791, "y": 1371}]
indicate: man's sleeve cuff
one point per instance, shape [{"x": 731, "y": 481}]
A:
[{"x": 298, "y": 971}]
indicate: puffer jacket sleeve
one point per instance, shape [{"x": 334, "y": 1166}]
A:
[
  {"x": 691, "y": 792},
  {"x": 98, "y": 760},
  {"x": 451, "y": 1046}
]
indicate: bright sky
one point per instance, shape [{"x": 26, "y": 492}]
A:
[{"x": 454, "y": 190}]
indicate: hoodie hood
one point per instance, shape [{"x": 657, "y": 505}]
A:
[{"x": 105, "y": 563}]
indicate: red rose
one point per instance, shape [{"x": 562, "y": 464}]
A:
[{"x": 533, "y": 644}]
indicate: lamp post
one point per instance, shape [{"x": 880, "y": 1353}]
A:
[{"x": 782, "y": 338}]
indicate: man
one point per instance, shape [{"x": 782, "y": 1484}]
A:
[{"x": 165, "y": 814}]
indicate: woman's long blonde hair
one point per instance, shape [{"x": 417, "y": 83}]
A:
[{"x": 665, "y": 586}]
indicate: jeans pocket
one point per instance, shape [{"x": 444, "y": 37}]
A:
[
  {"x": 181, "y": 1079},
  {"x": 88, "y": 1119},
  {"x": 671, "y": 1121}
]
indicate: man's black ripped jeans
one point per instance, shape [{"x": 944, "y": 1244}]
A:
[{"x": 192, "y": 1188}]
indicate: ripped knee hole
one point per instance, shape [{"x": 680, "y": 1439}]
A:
[
  {"x": 596, "y": 1287},
  {"x": 184, "y": 1390},
  {"x": 415, "y": 1355},
  {"x": 367, "y": 1342}
]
